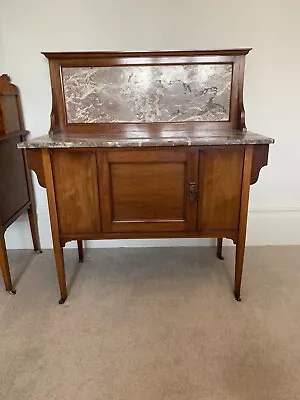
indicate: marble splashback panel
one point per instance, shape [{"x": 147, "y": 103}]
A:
[{"x": 159, "y": 93}]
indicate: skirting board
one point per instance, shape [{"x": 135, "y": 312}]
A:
[{"x": 276, "y": 226}]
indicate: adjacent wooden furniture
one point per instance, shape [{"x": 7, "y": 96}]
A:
[
  {"x": 16, "y": 192},
  {"x": 148, "y": 145}
]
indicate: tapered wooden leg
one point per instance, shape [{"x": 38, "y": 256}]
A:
[
  {"x": 34, "y": 229},
  {"x": 241, "y": 238},
  {"x": 60, "y": 269},
  {"x": 80, "y": 250},
  {"x": 58, "y": 250},
  {"x": 239, "y": 262},
  {"x": 32, "y": 216},
  {"x": 5, "y": 266},
  {"x": 219, "y": 248}
]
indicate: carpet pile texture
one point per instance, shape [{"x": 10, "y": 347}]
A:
[{"x": 152, "y": 324}]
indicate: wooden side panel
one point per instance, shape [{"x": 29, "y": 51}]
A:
[
  {"x": 147, "y": 190},
  {"x": 13, "y": 184},
  {"x": 76, "y": 191},
  {"x": 220, "y": 175}
]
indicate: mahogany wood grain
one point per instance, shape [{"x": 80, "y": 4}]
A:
[
  {"x": 57, "y": 247},
  {"x": 241, "y": 123},
  {"x": 104, "y": 54},
  {"x": 4, "y": 264},
  {"x": 143, "y": 193},
  {"x": 16, "y": 194},
  {"x": 241, "y": 240},
  {"x": 11, "y": 115},
  {"x": 151, "y": 235},
  {"x": 147, "y": 190},
  {"x": 31, "y": 211},
  {"x": 57, "y": 61},
  {"x": 220, "y": 248},
  {"x": 80, "y": 250},
  {"x": 35, "y": 163},
  {"x": 76, "y": 191},
  {"x": 57, "y": 116},
  {"x": 220, "y": 175},
  {"x": 33, "y": 222},
  {"x": 182, "y": 192},
  {"x": 9, "y": 109},
  {"x": 13, "y": 185},
  {"x": 260, "y": 159},
  {"x": 15, "y": 216}
]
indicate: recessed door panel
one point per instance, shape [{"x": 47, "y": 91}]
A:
[{"x": 147, "y": 190}]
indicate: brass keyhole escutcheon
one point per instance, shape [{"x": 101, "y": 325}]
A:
[{"x": 193, "y": 193}]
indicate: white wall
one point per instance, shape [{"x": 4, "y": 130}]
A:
[{"x": 272, "y": 83}]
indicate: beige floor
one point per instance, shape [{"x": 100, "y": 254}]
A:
[{"x": 152, "y": 324}]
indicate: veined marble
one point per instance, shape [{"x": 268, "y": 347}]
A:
[
  {"x": 159, "y": 93},
  {"x": 146, "y": 139}
]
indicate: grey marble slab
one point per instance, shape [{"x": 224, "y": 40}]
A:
[
  {"x": 147, "y": 139},
  {"x": 148, "y": 93}
]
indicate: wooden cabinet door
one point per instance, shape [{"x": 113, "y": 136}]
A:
[
  {"x": 220, "y": 180},
  {"x": 76, "y": 191},
  {"x": 147, "y": 190}
]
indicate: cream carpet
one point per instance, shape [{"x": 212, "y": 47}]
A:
[{"x": 152, "y": 324}]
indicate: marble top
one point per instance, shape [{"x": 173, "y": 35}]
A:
[{"x": 146, "y": 139}]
